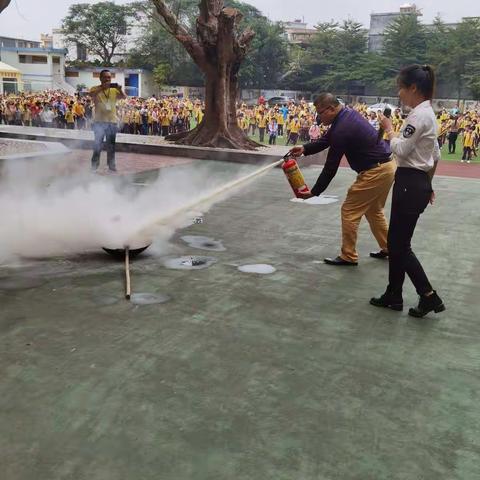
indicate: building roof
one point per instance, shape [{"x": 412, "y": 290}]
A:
[
  {"x": 34, "y": 50},
  {"x": 5, "y": 68},
  {"x": 21, "y": 39}
]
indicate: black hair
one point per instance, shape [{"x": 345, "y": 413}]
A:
[
  {"x": 422, "y": 76},
  {"x": 104, "y": 71},
  {"x": 326, "y": 99}
]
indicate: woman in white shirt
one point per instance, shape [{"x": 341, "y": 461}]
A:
[{"x": 417, "y": 153}]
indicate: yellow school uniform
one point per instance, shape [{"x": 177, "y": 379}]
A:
[
  {"x": 294, "y": 126},
  {"x": 468, "y": 140},
  {"x": 69, "y": 118},
  {"x": 262, "y": 122}
]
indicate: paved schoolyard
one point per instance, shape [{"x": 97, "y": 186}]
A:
[{"x": 242, "y": 376}]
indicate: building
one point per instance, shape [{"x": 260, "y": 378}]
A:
[
  {"x": 379, "y": 22},
  {"x": 135, "y": 82},
  {"x": 10, "y": 79},
  {"x": 41, "y": 67},
  {"x": 297, "y": 33}
]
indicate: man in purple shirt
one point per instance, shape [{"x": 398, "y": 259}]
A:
[{"x": 351, "y": 135}]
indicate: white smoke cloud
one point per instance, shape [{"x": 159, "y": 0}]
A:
[{"x": 46, "y": 214}]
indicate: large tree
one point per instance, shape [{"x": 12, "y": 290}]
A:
[
  {"x": 101, "y": 27},
  {"x": 263, "y": 66},
  {"x": 465, "y": 52},
  {"x": 218, "y": 49},
  {"x": 3, "y": 5},
  {"x": 337, "y": 59},
  {"x": 405, "y": 43}
]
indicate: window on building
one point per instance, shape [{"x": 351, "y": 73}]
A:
[
  {"x": 81, "y": 52},
  {"x": 8, "y": 42},
  {"x": 56, "y": 60},
  {"x": 72, "y": 74},
  {"x": 33, "y": 59},
  {"x": 10, "y": 85}
]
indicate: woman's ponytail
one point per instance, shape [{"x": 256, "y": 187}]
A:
[{"x": 422, "y": 76}]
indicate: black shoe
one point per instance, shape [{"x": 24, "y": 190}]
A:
[
  {"x": 387, "y": 300},
  {"x": 112, "y": 169},
  {"x": 432, "y": 303},
  {"x": 339, "y": 261},
  {"x": 380, "y": 254}
]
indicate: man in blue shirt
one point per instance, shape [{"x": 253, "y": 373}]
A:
[{"x": 351, "y": 135}]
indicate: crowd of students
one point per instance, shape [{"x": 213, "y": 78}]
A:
[
  {"x": 288, "y": 123},
  {"x": 468, "y": 126}
]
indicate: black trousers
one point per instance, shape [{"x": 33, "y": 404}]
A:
[
  {"x": 452, "y": 141},
  {"x": 108, "y": 131},
  {"x": 411, "y": 194},
  {"x": 467, "y": 153}
]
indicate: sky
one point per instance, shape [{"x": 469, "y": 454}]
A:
[{"x": 29, "y": 18}]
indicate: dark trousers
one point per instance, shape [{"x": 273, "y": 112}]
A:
[
  {"x": 107, "y": 131},
  {"x": 467, "y": 153},
  {"x": 452, "y": 141},
  {"x": 293, "y": 138},
  {"x": 272, "y": 140},
  {"x": 261, "y": 133},
  {"x": 411, "y": 194},
  {"x": 80, "y": 121},
  {"x": 280, "y": 130}
]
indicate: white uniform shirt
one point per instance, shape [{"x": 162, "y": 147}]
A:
[{"x": 417, "y": 146}]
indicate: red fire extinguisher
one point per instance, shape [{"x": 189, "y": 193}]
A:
[{"x": 295, "y": 177}]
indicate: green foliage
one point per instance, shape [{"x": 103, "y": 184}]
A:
[
  {"x": 405, "y": 43},
  {"x": 157, "y": 47},
  {"x": 161, "y": 74},
  {"x": 338, "y": 57},
  {"x": 472, "y": 77},
  {"x": 101, "y": 27},
  {"x": 268, "y": 55},
  {"x": 455, "y": 54}
]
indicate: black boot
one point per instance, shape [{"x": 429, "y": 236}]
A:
[
  {"x": 388, "y": 300},
  {"x": 432, "y": 303}
]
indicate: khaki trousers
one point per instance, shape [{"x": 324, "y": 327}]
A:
[{"x": 367, "y": 196}]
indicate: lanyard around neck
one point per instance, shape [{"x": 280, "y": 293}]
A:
[{"x": 107, "y": 96}]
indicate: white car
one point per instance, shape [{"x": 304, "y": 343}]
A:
[{"x": 381, "y": 106}]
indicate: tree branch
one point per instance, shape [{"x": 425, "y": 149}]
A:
[
  {"x": 180, "y": 33},
  {"x": 243, "y": 42},
  {"x": 3, "y": 5}
]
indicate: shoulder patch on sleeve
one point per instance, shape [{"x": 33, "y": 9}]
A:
[{"x": 409, "y": 131}]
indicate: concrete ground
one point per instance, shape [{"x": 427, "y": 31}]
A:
[{"x": 241, "y": 376}]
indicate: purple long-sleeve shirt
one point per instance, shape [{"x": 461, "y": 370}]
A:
[{"x": 350, "y": 135}]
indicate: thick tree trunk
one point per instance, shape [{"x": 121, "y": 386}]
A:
[
  {"x": 219, "y": 127},
  {"x": 219, "y": 52}
]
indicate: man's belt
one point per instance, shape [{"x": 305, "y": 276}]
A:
[{"x": 376, "y": 164}]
